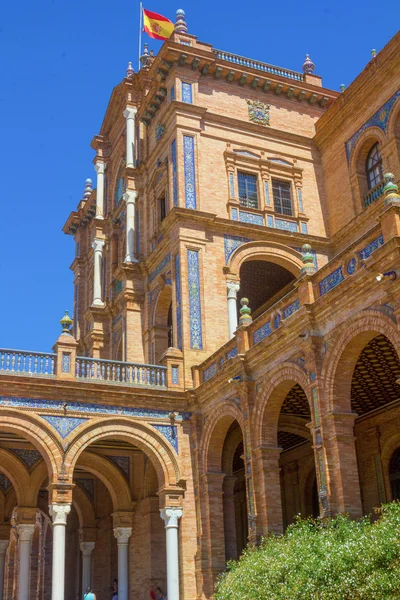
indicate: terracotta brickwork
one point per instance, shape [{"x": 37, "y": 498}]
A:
[{"x": 149, "y": 403}]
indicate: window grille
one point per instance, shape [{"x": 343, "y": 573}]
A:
[
  {"x": 247, "y": 184},
  {"x": 282, "y": 197},
  {"x": 374, "y": 166}
]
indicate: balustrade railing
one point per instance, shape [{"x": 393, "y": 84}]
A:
[
  {"x": 254, "y": 64},
  {"x": 27, "y": 363},
  {"x": 374, "y": 194},
  {"x": 113, "y": 371}
]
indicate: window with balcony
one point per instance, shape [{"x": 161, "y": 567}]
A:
[
  {"x": 247, "y": 184},
  {"x": 374, "y": 167},
  {"x": 282, "y": 197}
]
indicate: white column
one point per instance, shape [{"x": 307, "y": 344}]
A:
[
  {"x": 3, "y": 550},
  {"x": 97, "y": 246},
  {"x": 59, "y": 512},
  {"x": 86, "y": 549},
  {"x": 130, "y": 197},
  {"x": 129, "y": 114},
  {"x": 233, "y": 288},
  {"x": 170, "y": 517},
  {"x": 123, "y": 534},
  {"x": 99, "y": 167},
  {"x": 25, "y": 534}
]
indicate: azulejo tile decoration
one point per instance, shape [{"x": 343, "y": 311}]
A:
[
  {"x": 123, "y": 463},
  {"x": 189, "y": 171},
  {"x": 178, "y": 300},
  {"x": 66, "y": 362},
  {"x": 258, "y": 112},
  {"x": 174, "y": 172},
  {"x": 165, "y": 261},
  {"x": 370, "y": 248},
  {"x": 28, "y": 457},
  {"x": 300, "y": 199},
  {"x": 286, "y": 225},
  {"x": 262, "y": 332},
  {"x": 159, "y": 132},
  {"x": 87, "y": 484},
  {"x": 187, "y": 94},
  {"x": 231, "y": 185},
  {"x": 379, "y": 119},
  {"x": 232, "y": 243},
  {"x": 277, "y": 320},
  {"x": 234, "y": 214},
  {"x": 232, "y": 353},
  {"x": 172, "y": 93},
  {"x": 196, "y": 341},
  {"x": 270, "y": 221},
  {"x": 304, "y": 227},
  {"x": 64, "y": 425},
  {"x": 351, "y": 266},
  {"x": 266, "y": 189},
  {"x": 292, "y": 308},
  {"x": 175, "y": 375},
  {"x": 5, "y": 483},
  {"x": 170, "y": 433},
  {"x": 331, "y": 281},
  {"x": 246, "y": 217},
  {"x": 210, "y": 371},
  {"x": 314, "y": 395},
  {"x": 87, "y": 408},
  {"x": 120, "y": 188}
]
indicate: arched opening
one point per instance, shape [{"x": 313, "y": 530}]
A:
[
  {"x": 368, "y": 169},
  {"x": 262, "y": 282},
  {"x": 162, "y": 327},
  {"x": 296, "y": 461},
  {"x": 394, "y": 473},
  {"x": 374, "y": 166}
]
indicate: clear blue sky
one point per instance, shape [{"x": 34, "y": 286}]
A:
[{"x": 59, "y": 63}]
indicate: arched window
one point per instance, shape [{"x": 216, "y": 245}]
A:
[
  {"x": 395, "y": 474},
  {"x": 374, "y": 166}
]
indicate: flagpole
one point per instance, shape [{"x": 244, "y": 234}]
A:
[{"x": 140, "y": 33}]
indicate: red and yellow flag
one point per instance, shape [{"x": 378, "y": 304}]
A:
[{"x": 157, "y": 26}]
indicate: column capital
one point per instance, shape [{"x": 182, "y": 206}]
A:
[
  {"x": 87, "y": 548},
  {"x": 3, "y": 546},
  {"x": 130, "y": 196},
  {"x": 171, "y": 516},
  {"x": 25, "y": 532},
  {"x": 130, "y": 112},
  {"x": 98, "y": 245},
  {"x": 59, "y": 513},
  {"x": 233, "y": 287},
  {"x": 122, "y": 534},
  {"x": 99, "y": 167}
]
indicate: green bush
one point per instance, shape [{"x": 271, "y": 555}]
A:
[{"x": 335, "y": 559}]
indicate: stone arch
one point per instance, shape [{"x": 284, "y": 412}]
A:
[
  {"x": 342, "y": 356},
  {"x": 111, "y": 476},
  {"x": 278, "y": 384},
  {"x": 84, "y": 508},
  {"x": 215, "y": 432},
  {"x": 145, "y": 437},
  {"x": 282, "y": 255},
  {"x": 38, "y": 433}
]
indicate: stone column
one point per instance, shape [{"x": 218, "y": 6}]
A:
[
  {"x": 3, "y": 550},
  {"x": 171, "y": 516},
  {"x": 99, "y": 167},
  {"x": 129, "y": 114},
  {"x": 86, "y": 549},
  {"x": 123, "y": 534},
  {"x": 233, "y": 288},
  {"x": 130, "y": 197},
  {"x": 59, "y": 513},
  {"x": 97, "y": 246},
  {"x": 25, "y": 534}
]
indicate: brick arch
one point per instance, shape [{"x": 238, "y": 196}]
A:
[
  {"x": 215, "y": 433},
  {"x": 37, "y": 477},
  {"x": 296, "y": 425},
  {"x": 38, "y": 434},
  {"x": 342, "y": 356},
  {"x": 363, "y": 145},
  {"x": 229, "y": 449},
  {"x": 145, "y": 437},
  {"x": 306, "y": 479},
  {"x": 393, "y": 125},
  {"x": 161, "y": 306},
  {"x": 389, "y": 447},
  {"x": 278, "y": 384},
  {"x": 111, "y": 476},
  {"x": 84, "y": 508},
  {"x": 273, "y": 252},
  {"x": 18, "y": 474}
]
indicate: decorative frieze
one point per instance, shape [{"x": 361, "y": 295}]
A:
[
  {"x": 178, "y": 301},
  {"x": 331, "y": 281},
  {"x": 262, "y": 332},
  {"x": 174, "y": 173},
  {"x": 196, "y": 342},
  {"x": 189, "y": 171},
  {"x": 370, "y": 248}
]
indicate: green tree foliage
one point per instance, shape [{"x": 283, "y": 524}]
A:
[{"x": 335, "y": 559}]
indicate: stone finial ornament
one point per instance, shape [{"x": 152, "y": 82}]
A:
[
  {"x": 390, "y": 190},
  {"x": 88, "y": 189},
  {"x": 308, "y": 260},
  {"x": 145, "y": 58},
  {"x": 180, "y": 23},
  {"x": 308, "y": 65},
  {"x": 66, "y": 323},
  {"x": 245, "y": 313},
  {"x": 373, "y": 53},
  {"x": 342, "y": 87},
  {"x": 129, "y": 71}
]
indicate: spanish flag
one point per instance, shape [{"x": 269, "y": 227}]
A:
[{"x": 157, "y": 26}]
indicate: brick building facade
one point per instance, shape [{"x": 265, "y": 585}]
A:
[{"x": 218, "y": 178}]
